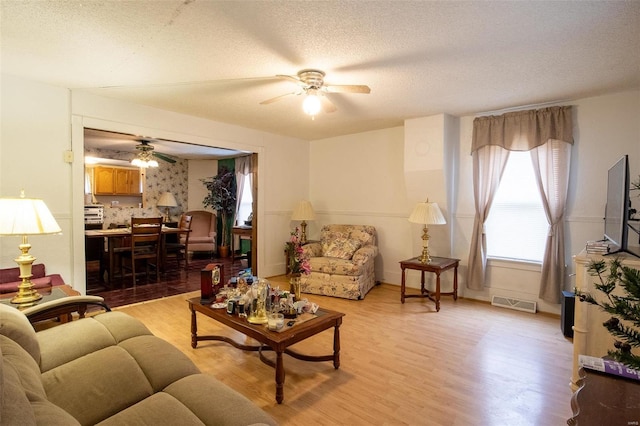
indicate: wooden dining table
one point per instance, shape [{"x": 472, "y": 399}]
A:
[{"x": 113, "y": 238}]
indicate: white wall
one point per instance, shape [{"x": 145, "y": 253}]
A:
[
  {"x": 199, "y": 169},
  {"x": 359, "y": 179},
  {"x": 34, "y": 132},
  {"x": 39, "y": 122}
]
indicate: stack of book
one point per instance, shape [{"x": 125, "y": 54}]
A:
[
  {"x": 608, "y": 366},
  {"x": 598, "y": 247}
]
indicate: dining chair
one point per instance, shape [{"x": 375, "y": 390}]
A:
[
  {"x": 145, "y": 242},
  {"x": 180, "y": 248}
]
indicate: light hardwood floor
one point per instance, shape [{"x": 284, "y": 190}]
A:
[{"x": 469, "y": 364}]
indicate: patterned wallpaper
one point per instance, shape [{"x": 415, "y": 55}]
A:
[{"x": 166, "y": 177}]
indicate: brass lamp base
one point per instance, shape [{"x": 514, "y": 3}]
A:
[
  {"x": 303, "y": 235},
  {"x": 425, "y": 257},
  {"x": 27, "y": 295}
]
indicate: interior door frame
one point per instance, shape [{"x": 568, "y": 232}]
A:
[{"x": 79, "y": 123}]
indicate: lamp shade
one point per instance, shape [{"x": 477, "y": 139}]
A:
[
  {"x": 303, "y": 211},
  {"x": 167, "y": 200},
  {"x": 26, "y": 216},
  {"x": 427, "y": 214}
]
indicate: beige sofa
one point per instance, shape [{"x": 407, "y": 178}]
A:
[
  {"x": 342, "y": 262},
  {"x": 107, "y": 370}
]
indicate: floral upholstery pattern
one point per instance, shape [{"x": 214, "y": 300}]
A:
[
  {"x": 334, "y": 271},
  {"x": 343, "y": 248}
]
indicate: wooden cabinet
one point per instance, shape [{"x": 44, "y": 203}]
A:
[
  {"x": 604, "y": 399},
  {"x": 103, "y": 178},
  {"x": 116, "y": 181}
]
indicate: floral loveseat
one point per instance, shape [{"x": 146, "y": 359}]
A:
[{"x": 342, "y": 262}]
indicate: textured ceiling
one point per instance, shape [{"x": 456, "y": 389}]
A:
[{"x": 218, "y": 60}]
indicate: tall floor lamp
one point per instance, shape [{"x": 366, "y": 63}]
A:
[
  {"x": 26, "y": 216},
  {"x": 426, "y": 214},
  {"x": 303, "y": 211}
]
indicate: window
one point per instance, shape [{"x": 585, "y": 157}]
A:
[
  {"x": 517, "y": 227},
  {"x": 246, "y": 203}
]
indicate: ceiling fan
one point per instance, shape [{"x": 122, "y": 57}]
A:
[
  {"x": 312, "y": 85},
  {"x": 146, "y": 152}
]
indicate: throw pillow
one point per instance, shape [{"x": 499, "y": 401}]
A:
[{"x": 342, "y": 248}]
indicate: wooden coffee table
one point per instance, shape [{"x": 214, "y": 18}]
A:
[{"x": 271, "y": 340}]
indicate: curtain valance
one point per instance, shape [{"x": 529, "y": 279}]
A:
[{"x": 523, "y": 130}]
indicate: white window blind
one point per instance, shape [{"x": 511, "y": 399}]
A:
[{"x": 517, "y": 226}]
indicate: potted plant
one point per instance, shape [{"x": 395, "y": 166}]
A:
[{"x": 222, "y": 198}]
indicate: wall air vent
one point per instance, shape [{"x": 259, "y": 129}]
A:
[{"x": 517, "y": 304}]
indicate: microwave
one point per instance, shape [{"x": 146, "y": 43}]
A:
[{"x": 94, "y": 214}]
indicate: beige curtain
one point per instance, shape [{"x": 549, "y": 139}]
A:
[
  {"x": 488, "y": 165},
  {"x": 551, "y": 163},
  {"x": 523, "y": 131}
]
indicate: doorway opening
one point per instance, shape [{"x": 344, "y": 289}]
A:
[{"x": 181, "y": 168}]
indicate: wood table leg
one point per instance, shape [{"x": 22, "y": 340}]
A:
[
  {"x": 194, "y": 328},
  {"x": 402, "y": 287},
  {"x": 437, "y": 292},
  {"x": 279, "y": 377},
  {"x": 110, "y": 243},
  {"x": 336, "y": 345},
  {"x": 422, "y": 289},
  {"x": 455, "y": 283}
]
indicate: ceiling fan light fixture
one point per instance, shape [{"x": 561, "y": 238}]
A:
[
  {"x": 144, "y": 164},
  {"x": 144, "y": 159},
  {"x": 311, "y": 104}
]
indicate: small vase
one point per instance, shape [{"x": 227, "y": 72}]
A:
[{"x": 294, "y": 283}]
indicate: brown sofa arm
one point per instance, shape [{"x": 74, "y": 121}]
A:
[
  {"x": 64, "y": 306},
  {"x": 312, "y": 249},
  {"x": 363, "y": 254}
]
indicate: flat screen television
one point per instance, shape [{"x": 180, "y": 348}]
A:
[{"x": 616, "y": 212}]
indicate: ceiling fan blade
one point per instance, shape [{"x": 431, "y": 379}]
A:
[
  {"x": 348, "y": 88},
  {"x": 292, "y": 78},
  {"x": 164, "y": 157},
  {"x": 327, "y": 105},
  {"x": 277, "y": 98},
  {"x": 190, "y": 83}
]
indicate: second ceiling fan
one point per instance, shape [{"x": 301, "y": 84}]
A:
[
  {"x": 145, "y": 154},
  {"x": 312, "y": 85}
]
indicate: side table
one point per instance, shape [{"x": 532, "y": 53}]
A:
[
  {"x": 436, "y": 265},
  {"x": 243, "y": 232}
]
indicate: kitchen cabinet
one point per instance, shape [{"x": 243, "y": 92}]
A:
[{"x": 116, "y": 181}]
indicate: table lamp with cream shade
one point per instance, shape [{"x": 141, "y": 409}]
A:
[
  {"x": 26, "y": 216},
  {"x": 303, "y": 211},
  {"x": 167, "y": 200},
  {"x": 426, "y": 213}
]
